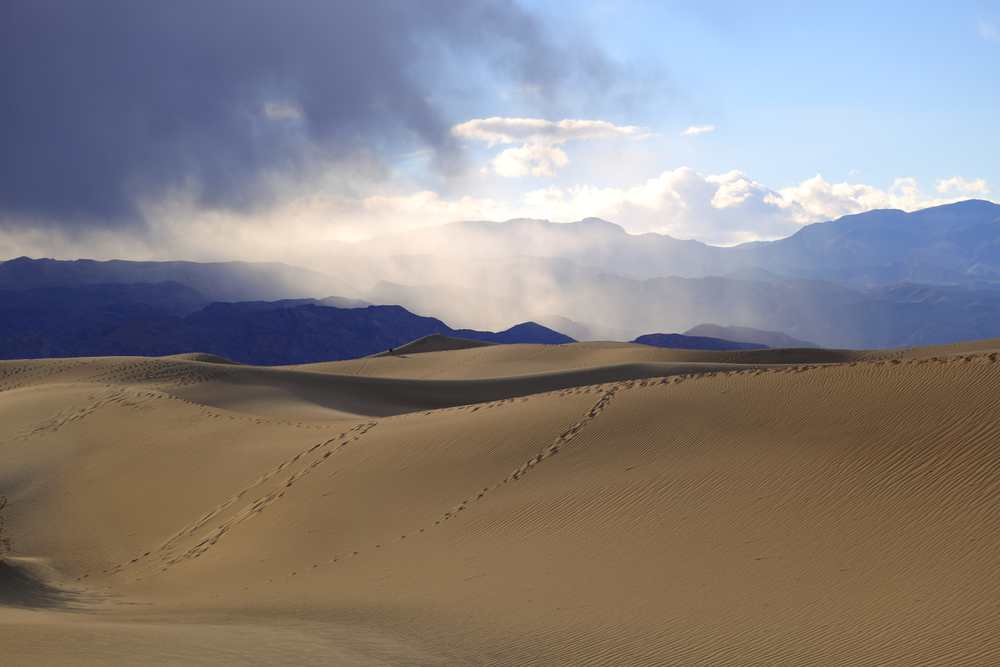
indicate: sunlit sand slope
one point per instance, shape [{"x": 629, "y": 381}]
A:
[
  {"x": 170, "y": 511},
  {"x": 510, "y": 360}
]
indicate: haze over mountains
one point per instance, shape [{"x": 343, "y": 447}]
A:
[
  {"x": 215, "y": 281},
  {"x": 954, "y": 243},
  {"x": 877, "y": 279},
  {"x": 882, "y": 278}
]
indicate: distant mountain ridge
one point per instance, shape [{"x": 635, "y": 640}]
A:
[
  {"x": 877, "y": 279},
  {"x": 748, "y": 335},
  {"x": 883, "y": 278},
  {"x": 950, "y": 243},
  {"x": 525, "y": 332},
  {"x": 153, "y": 320}
]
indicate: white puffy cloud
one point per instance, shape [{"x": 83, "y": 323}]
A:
[
  {"x": 727, "y": 208},
  {"x": 529, "y": 159},
  {"x": 963, "y": 186},
  {"x": 717, "y": 208},
  {"x": 539, "y": 153},
  {"x": 816, "y": 199},
  {"x": 695, "y": 130}
]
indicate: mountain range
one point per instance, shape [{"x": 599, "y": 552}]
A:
[
  {"x": 877, "y": 279},
  {"x": 748, "y": 335},
  {"x": 883, "y": 278},
  {"x": 953, "y": 243},
  {"x": 169, "y": 318}
]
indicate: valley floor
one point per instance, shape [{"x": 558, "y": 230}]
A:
[{"x": 584, "y": 504}]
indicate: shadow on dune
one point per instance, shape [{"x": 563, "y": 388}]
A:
[
  {"x": 283, "y": 392},
  {"x": 19, "y": 587}
]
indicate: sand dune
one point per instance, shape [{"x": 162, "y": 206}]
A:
[
  {"x": 525, "y": 359},
  {"x": 515, "y": 360},
  {"x": 202, "y": 356},
  {"x": 435, "y": 343},
  {"x": 506, "y": 505}
]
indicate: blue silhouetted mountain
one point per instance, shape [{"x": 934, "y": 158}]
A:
[
  {"x": 92, "y": 319},
  {"x": 100, "y": 320},
  {"x": 682, "y": 342},
  {"x": 526, "y": 332}
]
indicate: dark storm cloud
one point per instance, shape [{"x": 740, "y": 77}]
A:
[{"x": 105, "y": 101}]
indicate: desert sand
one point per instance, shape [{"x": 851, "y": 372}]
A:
[{"x": 584, "y": 504}]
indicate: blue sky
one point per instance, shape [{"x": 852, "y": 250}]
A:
[
  {"x": 877, "y": 90},
  {"x": 898, "y": 98}
]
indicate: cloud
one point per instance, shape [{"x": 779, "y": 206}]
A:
[
  {"x": 110, "y": 105},
  {"x": 722, "y": 208},
  {"x": 817, "y": 199},
  {"x": 539, "y": 153},
  {"x": 296, "y": 229},
  {"x": 282, "y": 111},
  {"x": 719, "y": 208},
  {"x": 695, "y": 130},
  {"x": 989, "y": 30},
  {"x": 498, "y": 130},
  {"x": 959, "y": 185},
  {"x": 428, "y": 208},
  {"x": 530, "y": 159},
  {"x": 726, "y": 208}
]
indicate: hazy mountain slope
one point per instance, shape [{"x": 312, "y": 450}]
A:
[
  {"x": 951, "y": 243},
  {"x": 590, "y": 243},
  {"x": 909, "y": 315},
  {"x": 492, "y": 275},
  {"x": 217, "y": 281},
  {"x": 610, "y": 284},
  {"x": 822, "y": 312},
  {"x": 748, "y": 335},
  {"x": 630, "y": 307}
]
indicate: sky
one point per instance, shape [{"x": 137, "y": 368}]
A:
[{"x": 241, "y": 129}]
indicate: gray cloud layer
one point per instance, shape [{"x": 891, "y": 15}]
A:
[{"x": 108, "y": 101}]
